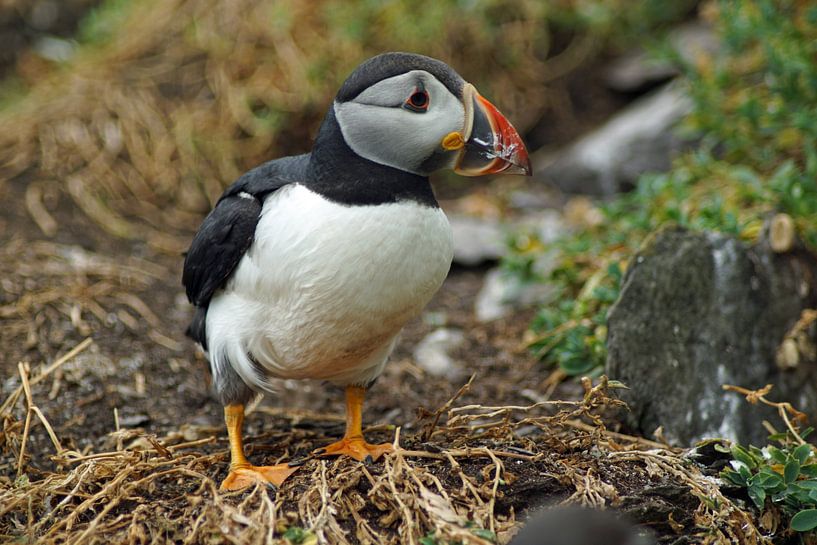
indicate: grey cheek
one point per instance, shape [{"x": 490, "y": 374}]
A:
[{"x": 382, "y": 135}]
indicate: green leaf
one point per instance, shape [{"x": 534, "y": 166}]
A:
[
  {"x": 769, "y": 479},
  {"x": 295, "y": 535},
  {"x": 804, "y": 521},
  {"x": 575, "y": 364},
  {"x": 779, "y": 437},
  {"x": 740, "y": 454},
  {"x": 802, "y": 453},
  {"x": 733, "y": 476},
  {"x": 809, "y": 470},
  {"x": 484, "y": 534},
  {"x": 776, "y": 454},
  {"x": 756, "y": 453},
  {"x": 428, "y": 539},
  {"x": 757, "y": 494},
  {"x": 791, "y": 471}
]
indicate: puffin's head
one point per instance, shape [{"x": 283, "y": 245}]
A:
[{"x": 416, "y": 114}]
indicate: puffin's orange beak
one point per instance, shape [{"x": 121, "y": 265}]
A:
[{"x": 491, "y": 143}]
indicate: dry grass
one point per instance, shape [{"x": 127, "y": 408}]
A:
[
  {"x": 450, "y": 482},
  {"x": 53, "y": 292}
]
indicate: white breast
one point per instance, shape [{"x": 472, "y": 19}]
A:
[{"x": 325, "y": 288}]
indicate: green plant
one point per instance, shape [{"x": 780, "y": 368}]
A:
[
  {"x": 755, "y": 106},
  {"x": 575, "y": 330},
  {"x": 784, "y": 476},
  {"x": 299, "y": 536},
  {"x": 432, "y": 539}
]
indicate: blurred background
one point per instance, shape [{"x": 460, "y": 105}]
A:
[
  {"x": 667, "y": 237},
  {"x": 153, "y": 107}
]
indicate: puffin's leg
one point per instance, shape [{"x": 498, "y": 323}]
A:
[
  {"x": 353, "y": 443},
  {"x": 242, "y": 472}
]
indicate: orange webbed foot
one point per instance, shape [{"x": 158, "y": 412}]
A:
[
  {"x": 242, "y": 477},
  {"x": 357, "y": 448}
]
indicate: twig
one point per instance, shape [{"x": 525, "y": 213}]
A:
[
  {"x": 12, "y": 399},
  {"x": 495, "y": 489},
  {"x": 783, "y": 408},
  {"x": 478, "y": 452},
  {"x": 32, "y": 408},
  {"x": 618, "y": 436},
  {"x": 48, "y": 428},
  {"x": 38, "y": 212},
  {"x": 23, "y": 372},
  {"x": 428, "y": 432}
]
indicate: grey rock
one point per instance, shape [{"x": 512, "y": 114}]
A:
[
  {"x": 503, "y": 293},
  {"x": 699, "y": 310},
  {"x": 433, "y": 353},
  {"x": 476, "y": 240},
  {"x": 492, "y": 302},
  {"x": 638, "y": 69},
  {"x": 639, "y": 139},
  {"x": 547, "y": 225}
]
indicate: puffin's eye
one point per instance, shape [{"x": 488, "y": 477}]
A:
[{"x": 418, "y": 101}]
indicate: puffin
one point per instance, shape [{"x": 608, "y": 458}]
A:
[{"x": 309, "y": 266}]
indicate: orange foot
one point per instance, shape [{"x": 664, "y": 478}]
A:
[
  {"x": 356, "y": 448},
  {"x": 242, "y": 477}
]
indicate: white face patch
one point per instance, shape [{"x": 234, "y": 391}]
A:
[{"x": 378, "y": 128}]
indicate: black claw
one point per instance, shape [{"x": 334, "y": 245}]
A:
[
  {"x": 298, "y": 462},
  {"x": 368, "y": 460}
]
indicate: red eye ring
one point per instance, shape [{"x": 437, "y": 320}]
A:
[{"x": 418, "y": 101}]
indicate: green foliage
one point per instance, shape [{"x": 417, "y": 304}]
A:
[
  {"x": 784, "y": 477},
  {"x": 103, "y": 22},
  {"x": 432, "y": 539},
  {"x": 575, "y": 330},
  {"x": 758, "y": 103},
  {"x": 805, "y": 520},
  {"x": 297, "y": 536},
  {"x": 755, "y": 107},
  {"x": 625, "y": 20}
]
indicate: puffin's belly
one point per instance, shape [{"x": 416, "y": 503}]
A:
[{"x": 325, "y": 288}]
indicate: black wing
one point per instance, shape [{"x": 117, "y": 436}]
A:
[
  {"x": 223, "y": 238},
  {"x": 228, "y": 231}
]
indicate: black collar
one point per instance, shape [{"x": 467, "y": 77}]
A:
[{"x": 342, "y": 176}]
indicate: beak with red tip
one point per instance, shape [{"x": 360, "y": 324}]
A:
[{"x": 491, "y": 143}]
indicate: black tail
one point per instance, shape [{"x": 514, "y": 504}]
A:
[{"x": 197, "y": 330}]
